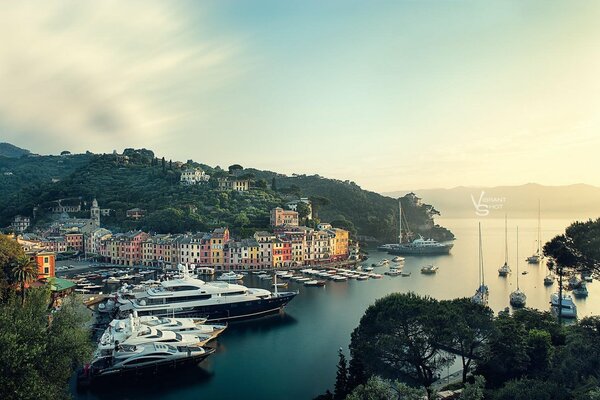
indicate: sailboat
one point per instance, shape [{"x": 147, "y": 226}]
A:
[
  {"x": 537, "y": 256},
  {"x": 518, "y": 298},
  {"x": 505, "y": 269},
  {"x": 418, "y": 247},
  {"x": 482, "y": 293}
]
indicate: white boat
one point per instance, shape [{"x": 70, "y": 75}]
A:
[
  {"x": 375, "y": 276},
  {"x": 398, "y": 259},
  {"x": 112, "y": 280},
  {"x": 405, "y": 273},
  {"x": 230, "y": 276},
  {"x": 124, "y": 334},
  {"x": 504, "y": 270},
  {"x": 518, "y": 298},
  {"x": 367, "y": 269},
  {"x": 205, "y": 271},
  {"x": 339, "y": 278},
  {"x": 429, "y": 269},
  {"x": 482, "y": 293},
  {"x": 568, "y": 307},
  {"x": 536, "y": 257},
  {"x": 280, "y": 285},
  {"x": 362, "y": 277},
  {"x": 135, "y": 358},
  {"x": 581, "y": 291},
  {"x": 394, "y": 272},
  {"x": 191, "y": 297}
]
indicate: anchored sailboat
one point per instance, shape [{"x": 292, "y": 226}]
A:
[
  {"x": 505, "y": 269},
  {"x": 482, "y": 293},
  {"x": 537, "y": 256},
  {"x": 518, "y": 298}
]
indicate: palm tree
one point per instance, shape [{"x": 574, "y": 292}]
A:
[{"x": 24, "y": 271}]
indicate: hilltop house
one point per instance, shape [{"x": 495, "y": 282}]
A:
[
  {"x": 281, "y": 217},
  {"x": 232, "y": 183},
  {"x": 194, "y": 176}
]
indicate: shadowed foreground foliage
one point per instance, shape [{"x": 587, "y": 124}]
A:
[
  {"x": 523, "y": 356},
  {"x": 40, "y": 349}
]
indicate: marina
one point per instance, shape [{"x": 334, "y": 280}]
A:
[{"x": 290, "y": 338}]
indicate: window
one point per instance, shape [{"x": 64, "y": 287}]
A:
[
  {"x": 46, "y": 260},
  {"x": 46, "y": 270}
]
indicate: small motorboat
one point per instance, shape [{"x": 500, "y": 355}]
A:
[
  {"x": 405, "y": 273},
  {"x": 393, "y": 272},
  {"x": 314, "y": 282},
  {"x": 398, "y": 259},
  {"x": 230, "y": 276},
  {"x": 280, "y": 285},
  {"x": 429, "y": 269},
  {"x": 548, "y": 280}
]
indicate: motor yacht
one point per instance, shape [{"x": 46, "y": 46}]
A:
[
  {"x": 192, "y": 297},
  {"x": 133, "y": 358},
  {"x": 429, "y": 269},
  {"x": 568, "y": 307}
]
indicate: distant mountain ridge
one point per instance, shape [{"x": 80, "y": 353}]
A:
[
  {"x": 12, "y": 151},
  {"x": 569, "y": 201}
]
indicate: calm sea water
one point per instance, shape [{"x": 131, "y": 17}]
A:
[{"x": 294, "y": 355}]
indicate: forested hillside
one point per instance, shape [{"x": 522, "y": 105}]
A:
[{"x": 152, "y": 184}]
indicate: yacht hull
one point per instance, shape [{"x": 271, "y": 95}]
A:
[
  {"x": 225, "y": 312},
  {"x": 419, "y": 251}
]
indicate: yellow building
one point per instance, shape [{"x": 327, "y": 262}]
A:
[
  {"x": 339, "y": 248},
  {"x": 219, "y": 237}
]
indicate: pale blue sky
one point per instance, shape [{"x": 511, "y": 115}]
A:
[{"x": 399, "y": 94}]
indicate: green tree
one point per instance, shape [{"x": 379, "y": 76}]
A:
[
  {"x": 24, "y": 271},
  {"x": 303, "y": 210},
  {"x": 398, "y": 337},
  {"x": 341, "y": 380},
  {"x": 530, "y": 389},
  {"x": 469, "y": 326},
  {"x": 10, "y": 251},
  {"x": 504, "y": 356},
  {"x": 475, "y": 390},
  {"x": 41, "y": 348},
  {"x": 273, "y": 184},
  {"x": 235, "y": 167},
  {"x": 377, "y": 388},
  {"x": 317, "y": 203},
  {"x": 540, "y": 351}
]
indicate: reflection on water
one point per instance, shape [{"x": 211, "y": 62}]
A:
[{"x": 294, "y": 355}]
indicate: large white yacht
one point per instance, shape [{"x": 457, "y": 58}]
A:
[
  {"x": 569, "y": 309},
  {"x": 216, "y": 301},
  {"x": 418, "y": 247},
  {"x": 134, "y": 358}
]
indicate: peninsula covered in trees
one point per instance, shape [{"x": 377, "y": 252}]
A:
[{"x": 137, "y": 178}]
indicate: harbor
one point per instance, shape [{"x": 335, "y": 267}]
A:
[{"x": 305, "y": 337}]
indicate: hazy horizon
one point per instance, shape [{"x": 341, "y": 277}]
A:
[{"x": 386, "y": 94}]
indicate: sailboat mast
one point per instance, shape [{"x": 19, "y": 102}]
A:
[
  {"x": 517, "y": 258},
  {"x": 399, "y": 221},
  {"x": 481, "y": 276},
  {"x": 505, "y": 239},
  {"x": 539, "y": 232}
]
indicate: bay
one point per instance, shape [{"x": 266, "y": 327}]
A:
[{"x": 294, "y": 355}]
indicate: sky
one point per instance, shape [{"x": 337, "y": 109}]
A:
[{"x": 388, "y": 94}]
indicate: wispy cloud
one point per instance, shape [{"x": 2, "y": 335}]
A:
[{"x": 80, "y": 74}]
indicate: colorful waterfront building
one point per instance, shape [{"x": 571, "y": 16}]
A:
[
  {"x": 280, "y": 217},
  {"x": 242, "y": 255},
  {"x": 282, "y": 253},
  {"x": 218, "y": 238}
]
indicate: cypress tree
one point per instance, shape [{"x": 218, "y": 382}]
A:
[{"x": 341, "y": 380}]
